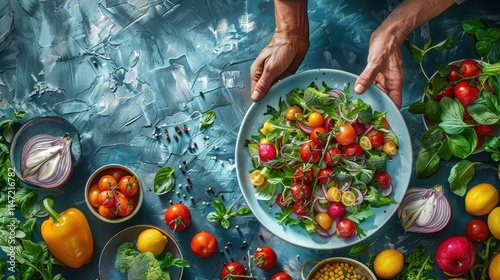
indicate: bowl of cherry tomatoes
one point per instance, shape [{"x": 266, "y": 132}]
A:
[{"x": 113, "y": 193}]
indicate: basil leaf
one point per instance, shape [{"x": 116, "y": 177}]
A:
[
  {"x": 358, "y": 250},
  {"x": 470, "y": 26},
  {"x": 432, "y": 137},
  {"x": 164, "y": 180},
  {"x": 444, "y": 151},
  {"x": 415, "y": 51},
  {"x": 453, "y": 127},
  {"x": 219, "y": 207},
  {"x": 433, "y": 111},
  {"x": 471, "y": 136},
  {"x": 427, "y": 162},
  {"x": 483, "y": 47},
  {"x": 245, "y": 210},
  {"x": 417, "y": 108},
  {"x": 450, "y": 109},
  {"x": 447, "y": 44},
  {"x": 207, "y": 119},
  {"x": 225, "y": 223},
  {"x": 482, "y": 114},
  {"x": 459, "y": 146},
  {"x": 461, "y": 174}
]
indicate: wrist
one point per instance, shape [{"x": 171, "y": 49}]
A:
[{"x": 291, "y": 18}]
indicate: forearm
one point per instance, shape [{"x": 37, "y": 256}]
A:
[{"x": 291, "y": 18}]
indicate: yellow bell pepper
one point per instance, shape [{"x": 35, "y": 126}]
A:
[{"x": 67, "y": 235}]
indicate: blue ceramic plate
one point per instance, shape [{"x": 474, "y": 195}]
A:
[
  {"x": 400, "y": 167},
  {"x": 51, "y": 125},
  {"x": 107, "y": 259}
]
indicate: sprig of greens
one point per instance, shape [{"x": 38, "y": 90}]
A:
[
  {"x": 164, "y": 180},
  {"x": 490, "y": 248},
  {"x": 207, "y": 119},
  {"x": 222, "y": 213}
]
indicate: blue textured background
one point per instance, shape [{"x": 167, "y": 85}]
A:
[{"x": 118, "y": 69}]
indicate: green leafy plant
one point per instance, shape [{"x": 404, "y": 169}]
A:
[
  {"x": 489, "y": 249},
  {"x": 207, "y": 119},
  {"x": 222, "y": 213},
  {"x": 164, "y": 180}
]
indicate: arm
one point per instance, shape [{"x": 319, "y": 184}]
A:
[
  {"x": 286, "y": 50},
  {"x": 385, "y": 59}
]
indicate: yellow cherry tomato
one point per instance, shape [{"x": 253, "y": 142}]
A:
[
  {"x": 365, "y": 143},
  {"x": 333, "y": 194},
  {"x": 348, "y": 198},
  {"x": 291, "y": 112},
  {"x": 257, "y": 178},
  {"x": 266, "y": 128},
  {"x": 264, "y": 141},
  {"x": 324, "y": 220},
  {"x": 315, "y": 119},
  {"x": 390, "y": 148}
]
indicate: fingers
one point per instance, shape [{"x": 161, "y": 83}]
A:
[
  {"x": 365, "y": 79},
  {"x": 263, "y": 77}
]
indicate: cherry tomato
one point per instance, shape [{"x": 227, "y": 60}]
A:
[
  {"x": 301, "y": 208},
  {"x": 281, "y": 276},
  {"x": 469, "y": 68},
  {"x": 178, "y": 217},
  {"x": 257, "y": 178},
  {"x": 383, "y": 178},
  {"x": 324, "y": 220},
  {"x": 129, "y": 185},
  {"x": 310, "y": 152},
  {"x": 117, "y": 173},
  {"x": 284, "y": 201},
  {"x": 303, "y": 176},
  {"x": 376, "y": 137},
  {"x": 346, "y": 134},
  {"x": 353, "y": 149},
  {"x": 318, "y": 135},
  {"x": 465, "y": 93},
  {"x": 454, "y": 75},
  {"x": 93, "y": 195},
  {"x": 267, "y": 152},
  {"x": 447, "y": 91},
  {"x": 233, "y": 269},
  {"x": 315, "y": 119},
  {"x": 324, "y": 175},
  {"x": 332, "y": 156},
  {"x": 124, "y": 205},
  {"x": 346, "y": 228},
  {"x": 385, "y": 122},
  {"x": 266, "y": 128},
  {"x": 107, "y": 198},
  {"x": 484, "y": 129},
  {"x": 390, "y": 148},
  {"x": 300, "y": 191},
  {"x": 107, "y": 212},
  {"x": 265, "y": 257},
  {"x": 477, "y": 230},
  {"x": 204, "y": 244},
  {"x": 291, "y": 111},
  {"x": 107, "y": 182}
]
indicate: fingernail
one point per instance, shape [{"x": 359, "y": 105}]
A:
[
  {"x": 359, "y": 88},
  {"x": 255, "y": 95}
]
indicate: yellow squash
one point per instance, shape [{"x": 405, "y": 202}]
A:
[{"x": 67, "y": 235}]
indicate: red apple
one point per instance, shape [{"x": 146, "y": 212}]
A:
[{"x": 455, "y": 255}]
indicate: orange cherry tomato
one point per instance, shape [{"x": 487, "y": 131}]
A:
[
  {"x": 291, "y": 111},
  {"x": 107, "y": 212},
  {"x": 117, "y": 173},
  {"x": 315, "y": 119},
  {"x": 129, "y": 186},
  {"x": 93, "y": 195},
  {"x": 107, "y": 182}
]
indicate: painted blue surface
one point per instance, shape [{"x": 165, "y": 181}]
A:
[{"x": 118, "y": 70}]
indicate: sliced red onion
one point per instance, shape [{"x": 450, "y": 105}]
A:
[
  {"x": 387, "y": 191},
  {"x": 329, "y": 124},
  {"x": 425, "y": 210},
  {"x": 345, "y": 186},
  {"x": 335, "y": 93},
  {"x": 46, "y": 160},
  {"x": 304, "y": 128},
  {"x": 317, "y": 205},
  {"x": 359, "y": 196}
]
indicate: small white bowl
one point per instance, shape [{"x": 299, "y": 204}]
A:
[{"x": 359, "y": 267}]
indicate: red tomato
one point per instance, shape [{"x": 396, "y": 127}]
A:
[
  {"x": 484, "y": 129},
  {"x": 107, "y": 198},
  {"x": 469, "y": 68},
  {"x": 324, "y": 175},
  {"x": 283, "y": 202},
  {"x": 281, "y": 276},
  {"x": 310, "y": 152},
  {"x": 465, "y": 93},
  {"x": 107, "y": 212},
  {"x": 265, "y": 257},
  {"x": 301, "y": 208},
  {"x": 353, "y": 149},
  {"x": 300, "y": 191},
  {"x": 129, "y": 185},
  {"x": 376, "y": 137},
  {"x": 107, "y": 182},
  {"x": 117, "y": 173},
  {"x": 383, "y": 178},
  {"x": 124, "y": 205},
  {"x": 204, "y": 244},
  {"x": 303, "y": 176},
  {"x": 332, "y": 156},
  {"x": 233, "y": 269},
  {"x": 477, "y": 230},
  {"x": 447, "y": 91},
  {"x": 454, "y": 75},
  {"x": 93, "y": 195},
  {"x": 346, "y": 134},
  {"x": 346, "y": 228},
  {"x": 178, "y": 217},
  {"x": 318, "y": 135}
]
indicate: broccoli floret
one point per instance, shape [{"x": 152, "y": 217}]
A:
[
  {"x": 314, "y": 97},
  {"x": 294, "y": 97},
  {"x": 372, "y": 196},
  {"x": 376, "y": 159},
  {"x": 124, "y": 256},
  {"x": 365, "y": 116},
  {"x": 146, "y": 267}
]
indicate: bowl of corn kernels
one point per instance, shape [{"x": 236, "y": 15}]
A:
[{"x": 337, "y": 268}]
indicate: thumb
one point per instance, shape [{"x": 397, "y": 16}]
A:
[
  {"x": 262, "y": 86},
  {"x": 365, "y": 79}
]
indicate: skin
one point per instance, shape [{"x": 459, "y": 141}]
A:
[{"x": 290, "y": 42}]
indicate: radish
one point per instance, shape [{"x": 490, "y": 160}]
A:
[
  {"x": 267, "y": 152},
  {"x": 336, "y": 210}
]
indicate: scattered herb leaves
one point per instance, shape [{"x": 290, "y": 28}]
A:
[
  {"x": 222, "y": 213},
  {"x": 164, "y": 180},
  {"x": 207, "y": 119}
]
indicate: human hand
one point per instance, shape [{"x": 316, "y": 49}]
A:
[
  {"x": 279, "y": 59},
  {"x": 384, "y": 66}
]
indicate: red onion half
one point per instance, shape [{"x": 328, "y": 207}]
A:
[{"x": 46, "y": 160}]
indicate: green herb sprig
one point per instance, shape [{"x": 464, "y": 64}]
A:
[
  {"x": 207, "y": 119},
  {"x": 222, "y": 213}
]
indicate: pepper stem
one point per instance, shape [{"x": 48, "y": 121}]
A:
[{"x": 48, "y": 204}]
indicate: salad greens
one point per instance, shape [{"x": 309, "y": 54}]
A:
[{"x": 306, "y": 168}]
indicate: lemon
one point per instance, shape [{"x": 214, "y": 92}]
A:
[
  {"x": 481, "y": 199},
  {"x": 151, "y": 240},
  {"x": 494, "y": 268},
  {"x": 388, "y": 263},
  {"x": 494, "y": 222}
]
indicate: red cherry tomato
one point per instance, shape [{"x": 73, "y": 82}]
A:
[
  {"x": 107, "y": 212},
  {"x": 454, "y": 75},
  {"x": 383, "y": 178},
  {"x": 465, "y": 93},
  {"x": 281, "y": 276},
  {"x": 346, "y": 228},
  {"x": 284, "y": 201},
  {"x": 129, "y": 185},
  {"x": 376, "y": 137},
  {"x": 178, "y": 217},
  {"x": 204, "y": 244},
  {"x": 324, "y": 175},
  {"x": 318, "y": 135},
  {"x": 232, "y": 269},
  {"x": 332, "y": 156},
  {"x": 265, "y": 257},
  {"x": 107, "y": 198},
  {"x": 310, "y": 152},
  {"x": 353, "y": 149},
  {"x": 477, "y": 230},
  {"x": 124, "y": 205},
  {"x": 301, "y": 208},
  {"x": 300, "y": 191},
  {"x": 469, "y": 68},
  {"x": 303, "y": 176},
  {"x": 346, "y": 134},
  {"x": 117, "y": 173},
  {"x": 484, "y": 129},
  {"x": 447, "y": 91}
]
